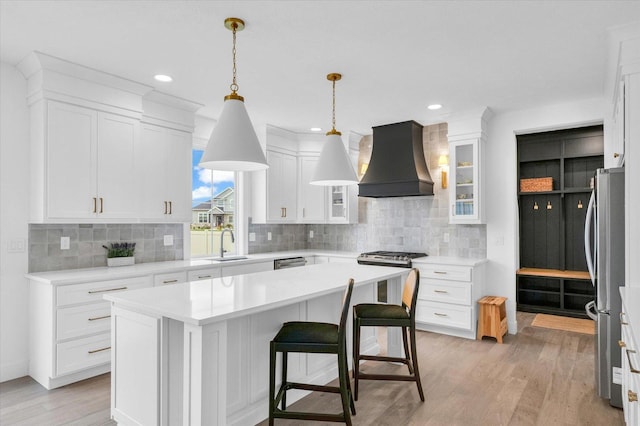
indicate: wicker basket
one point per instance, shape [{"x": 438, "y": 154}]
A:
[{"x": 536, "y": 184}]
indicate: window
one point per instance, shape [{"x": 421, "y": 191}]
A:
[{"x": 213, "y": 206}]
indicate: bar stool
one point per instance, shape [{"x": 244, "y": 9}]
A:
[
  {"x": 312, "y": 337},
  {"x": 378, "y": 314}
]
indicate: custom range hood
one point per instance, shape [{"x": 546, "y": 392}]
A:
[{"x": 397, "y": 167}]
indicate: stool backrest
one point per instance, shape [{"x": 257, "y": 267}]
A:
[
  {"x": 346, "y": 301},
  {"x": 410, "y": 291}
]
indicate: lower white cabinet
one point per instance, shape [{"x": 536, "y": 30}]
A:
[
  {"x": 69, "y": 329},
  {"x": 630, "y": 371},
  {"x": 447, "y": 300},
  {"x": 247, "y": 268}
]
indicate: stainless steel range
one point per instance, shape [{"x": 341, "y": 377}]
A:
[{"x": 389, "y": 258}]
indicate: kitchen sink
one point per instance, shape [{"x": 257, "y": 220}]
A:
[{"x": 225, "y": 259}]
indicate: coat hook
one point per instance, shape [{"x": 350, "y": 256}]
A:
[
  {"x": 535, "y": 205},
  {"x": 579, "y": 204},
  {"x": 549, "y": 206}
]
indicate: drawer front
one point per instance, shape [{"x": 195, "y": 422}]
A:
[
  {"x": 82, "y": 320},
  {"x": 443, "y": 314},
  {"x": 445, "y": 291},
  {"x": 93, "y": 292},
  {"x": 83, "y": 353},
  {"x": 446, "y": 272},
  {"x": 203, "y": 274},
  {"x": 170, "y": 278}
]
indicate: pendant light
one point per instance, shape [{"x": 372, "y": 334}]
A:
[
  {"x": 334, "y": 166},
  {"x": 233, "y": 145}
]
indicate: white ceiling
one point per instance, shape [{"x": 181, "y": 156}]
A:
[{"x": 396, "y": 57}]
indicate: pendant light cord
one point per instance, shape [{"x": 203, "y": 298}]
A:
[{"x": 234, "y": 84}]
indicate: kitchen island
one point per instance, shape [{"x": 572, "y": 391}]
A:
[{"x": 197, "y": 353}]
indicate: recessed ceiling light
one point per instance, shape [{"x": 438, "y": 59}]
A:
[
  {"x": 315, "y": 129},
  {"x": 434, "y": 106},
  {"x": 163, "y": 78}
]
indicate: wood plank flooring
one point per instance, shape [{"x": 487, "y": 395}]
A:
[{"x": 538, "y": 377}]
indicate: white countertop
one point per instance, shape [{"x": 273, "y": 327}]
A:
[
  {"x": 631, "y": 302},
  {"x": 74, "y": 276},
  {"x": 218, "y": 299}
]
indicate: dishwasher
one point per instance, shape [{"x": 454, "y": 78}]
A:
[{"x": 289, "y": 262}]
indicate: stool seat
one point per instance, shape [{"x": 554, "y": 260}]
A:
[
  {"x": 307, "y": 332},
  {"x": 372, "y": 311},
  {"x": 492, "y": 317}
]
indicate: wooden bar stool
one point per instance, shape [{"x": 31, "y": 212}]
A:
[
  {"x": 379, "y": 314},
  {"x": 312, "y": 337},
  {"x": 492, "y": 317}
]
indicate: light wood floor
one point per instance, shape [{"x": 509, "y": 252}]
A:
[{"x": 537, "y": 377}]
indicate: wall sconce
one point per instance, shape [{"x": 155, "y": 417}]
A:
[{"x": 443, "y": 163}]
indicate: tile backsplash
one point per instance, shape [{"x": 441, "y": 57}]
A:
[{"x": 86, "y": 241}]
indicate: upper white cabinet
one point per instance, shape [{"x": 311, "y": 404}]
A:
[
  {"x": 89, "y": 158},
  {"x": 281, "y": 187},
  {"x": 165, "y": 160},
  {"x": 342, "y": 204},
  {"x": 311, "y": 198},
  {"x": 87, "y": 152},
  {"x": 464, "y": 190}
]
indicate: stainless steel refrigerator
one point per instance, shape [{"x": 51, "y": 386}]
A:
[{"x": 604, "y": 249}]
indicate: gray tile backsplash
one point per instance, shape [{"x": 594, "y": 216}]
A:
[
  {"x": 417, "y": 224},
  {"x": 86, "y": 241}
]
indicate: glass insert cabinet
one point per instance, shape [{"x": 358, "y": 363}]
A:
[{"x": 464, "y": 190}]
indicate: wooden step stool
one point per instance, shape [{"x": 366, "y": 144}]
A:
[{"x": 492, "y": 317}]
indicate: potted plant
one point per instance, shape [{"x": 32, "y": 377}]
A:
[{"x": 120, "y": 254}]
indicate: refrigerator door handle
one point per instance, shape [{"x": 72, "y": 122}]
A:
[
  {"x": 587, "y": 239},
  {"x": 589, "y": 308}
]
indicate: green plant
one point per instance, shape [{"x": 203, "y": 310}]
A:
[{"x": 120, "y": 249}]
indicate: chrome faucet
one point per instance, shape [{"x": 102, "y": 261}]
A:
[{"x": 222, "y": 241}]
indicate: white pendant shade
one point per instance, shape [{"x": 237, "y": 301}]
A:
[
  {"x": 334, "y": 166},
  {"x": 233, "y": 145}
]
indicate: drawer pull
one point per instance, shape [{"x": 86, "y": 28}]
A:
[
  {"x": 169, "y": 281},
  {"x": 440, "y": 272},
  {"x": 108, "y": 289},
  {"x": 622, "y": 321},
  {"x": 99, "y": 318},
  {"x": 204, "y": 276},
  {"x": 633, "y": 397},
  {"x": 440, "y": 315},
  {"x": 99, "y": 350},
  {"x": 441, "y": 291},
  {"x": 621, "y": 344},
  {"x": 633, "y": 370}
]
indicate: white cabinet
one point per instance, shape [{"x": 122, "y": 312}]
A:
[
  {"x": 447, "y": 298},
  {"x": 311, "y": 198},
  {"x": 164, "y": 174},
  {"x": 281, "y": 187},
  {"x": 89, "y": 158},
  {"x": 247, "y": 268},
  {"x": 630, "y": 362},
  {"x": 69, "y": 329},
  {"x": 465, "y": 187},
  {"x": 342, "y": 204},
  {"x": 204, "y": 274}
]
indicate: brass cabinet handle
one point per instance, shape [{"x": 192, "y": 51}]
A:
[
  {"x": 165, "y": 207},
  {"x": 99, "y": 350},
  {"x": 622, "y": 321},
  {"x": 440, "y": 315},
  {"x": 170, "y": 207},
  {"x": 101, "y": 205},
  {"x": 621, "y": 344},
  {"x": 633, "y": 370},
  {"x": 169, "y": 281},
  {"x": 95, "y": 205},
  {"x": 616, "y": 155},
  {"x": 440, "y": 272},
  {"x": 105, "y": 290},
  {"x": 633, "y": 397},
  {"x": 441, "y": 291},
  {"x": 285, "y": 212},
  {"x": 99, "y": 318},
  {"x": 203, "y": 276}
]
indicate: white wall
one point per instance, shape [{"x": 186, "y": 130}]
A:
[
  {"x": 14, "y": 188},
  {"x": 501, "y": 185}
]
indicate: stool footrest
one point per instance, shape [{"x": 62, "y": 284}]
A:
[
  {"x": 301, "y": 415},
  {"x": 392, "y": 377},
  {"x": 310, "y": 387},
  {"x": 384, "y": 358}
]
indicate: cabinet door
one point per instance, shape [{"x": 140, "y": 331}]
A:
[
  {"x": 178, "y": 175},
  {"x": 116, "y": 166},
  {"x": 152, "y": 160},
  {"x": 281, "y": 187},
  {"x": 311, "y": 206},
  {"x": 464, "y": 192},
  {"x": 70, "y": 162}
]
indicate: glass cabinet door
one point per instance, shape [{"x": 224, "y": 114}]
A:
[
  {"x": 338, "y": 203},
  {"x": 464, "y": 192}
]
